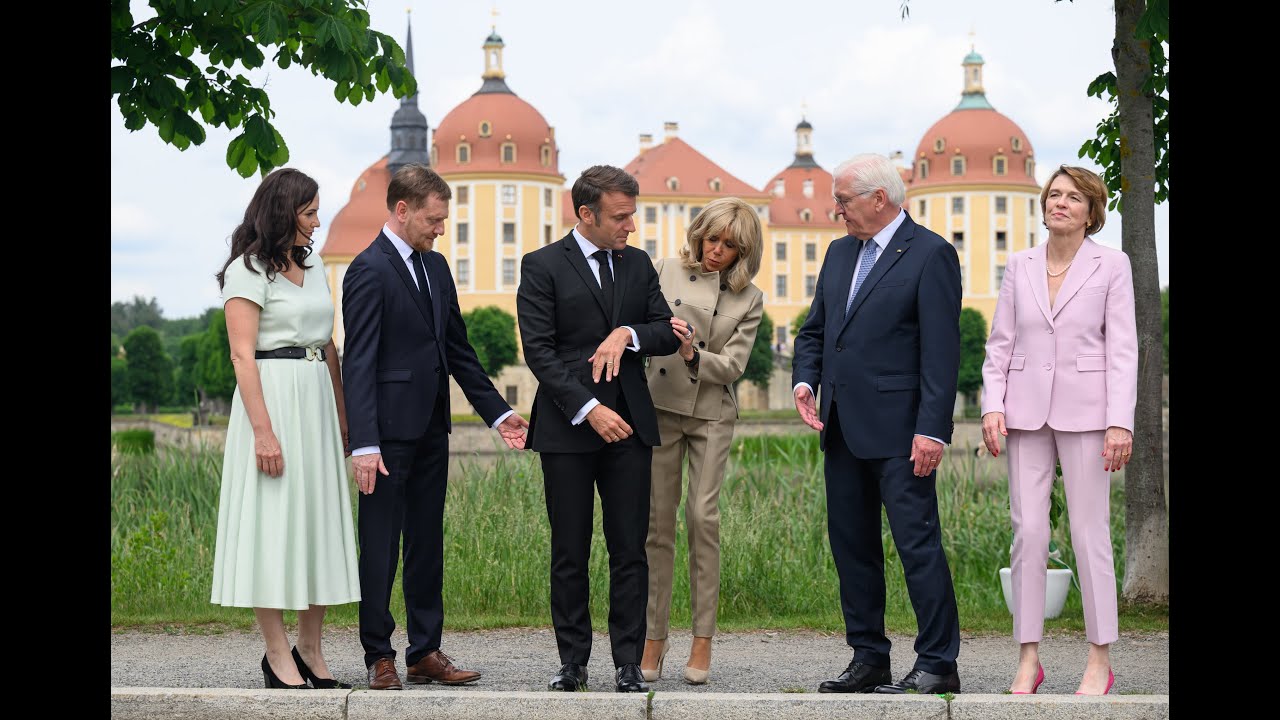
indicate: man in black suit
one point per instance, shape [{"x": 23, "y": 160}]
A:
[
  {"x": 883, "y": 342},
  {"x": 590, "y": 309},
  {"x": 405, "y": 337}
]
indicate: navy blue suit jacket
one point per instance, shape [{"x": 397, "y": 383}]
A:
[
  {"x": 891, "y": 364},
  {"x": 395, "y": 357}
]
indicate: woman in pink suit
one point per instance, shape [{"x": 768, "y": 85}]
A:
[{"x": 1060, "y": 382}]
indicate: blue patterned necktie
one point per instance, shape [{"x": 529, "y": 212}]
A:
[{"x": 864, "y": 269}]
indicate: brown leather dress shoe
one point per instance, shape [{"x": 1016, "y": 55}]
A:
[
  {"x": 437, "y": 667},
  {"x": 383, "y": 675}
]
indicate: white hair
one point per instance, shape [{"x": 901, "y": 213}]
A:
[{"x": 871, "y": 171}]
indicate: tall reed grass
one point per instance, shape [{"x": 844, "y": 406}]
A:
[{"x": 776, "y": 569}]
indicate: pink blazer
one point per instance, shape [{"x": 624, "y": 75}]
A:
[{"x": 1074, "y": 367}]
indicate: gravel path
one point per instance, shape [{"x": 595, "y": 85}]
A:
[{"x": 525, "y": 659}]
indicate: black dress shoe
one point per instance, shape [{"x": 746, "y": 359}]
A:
[
  {"x": 571, "y": 677},
  {"x": 919, "y": 681},
  {"x": 274, "y": 682},
  {"x": 630, "y": 680},
  {"x": 318, "y": 683},
  {"x": 857, "y": 678}
]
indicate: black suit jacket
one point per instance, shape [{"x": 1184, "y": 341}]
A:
[
  {"x": 891, "y": 364},
  {"x": 395, "y": 357},
  {"x": 562, "y": 321}
]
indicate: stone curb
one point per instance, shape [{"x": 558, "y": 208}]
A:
[{"x": 146, "y": 703}]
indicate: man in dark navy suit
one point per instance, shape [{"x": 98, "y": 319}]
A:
[
  {"x": 590, "y": 309},
  {"x": 404, "y": 338},
  {"x": 882, "y": 341}
]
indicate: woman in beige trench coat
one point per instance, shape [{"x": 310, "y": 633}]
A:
[{"x": 716, "y": 311}]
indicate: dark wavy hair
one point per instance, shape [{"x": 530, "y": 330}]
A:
[{"x": 270, "y": 224}]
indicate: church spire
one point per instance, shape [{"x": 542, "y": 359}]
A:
[
  {"x": 804, "y": 145},
  {"x": 408, "y": 125},
  {"x": 973, "y": 97},
  {"x": 494, "y": 76}
]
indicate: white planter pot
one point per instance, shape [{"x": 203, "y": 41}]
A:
[{"x": 1056, "y": 585}]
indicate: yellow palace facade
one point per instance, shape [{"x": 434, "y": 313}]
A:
[{"x": 971, "y": 179}]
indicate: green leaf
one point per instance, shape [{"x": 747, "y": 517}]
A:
[
  {"x": 340, "y": 91},
  {"x": 248, "y": 164},
  {"x": 188, "y": 127},
  {"x": 122, "y": 78},
  {"x": 281, "y": 155},
  {"x": 236, "y": 151},
  {"x": 355, "y": 95},
  {"x": 284, "y": 59},
  {"x": 187, "y": 46},
  {"x": 165, "y": 127},
  {"x": 255, "y": 130},
  {"x": 134, "y": 120},
  {"x": 324, "y": 30},
  {"x": 383, "y": 80}
]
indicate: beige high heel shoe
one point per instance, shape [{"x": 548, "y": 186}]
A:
[
  {"x": 653, "y": 675},
  {"x": 695, "y": 676}
]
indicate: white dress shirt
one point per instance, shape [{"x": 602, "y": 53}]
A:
[{"x": 588, "y": 248}]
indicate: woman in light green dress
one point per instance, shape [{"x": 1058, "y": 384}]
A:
[{"x": 285, "y": 537}]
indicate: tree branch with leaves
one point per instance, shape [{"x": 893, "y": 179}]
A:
[{"x": 177, "y": 70}]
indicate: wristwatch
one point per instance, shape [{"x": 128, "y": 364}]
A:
[{"x": 693, "y": 360}]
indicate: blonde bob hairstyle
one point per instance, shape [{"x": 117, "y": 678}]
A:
[
  {"x": 1093, "y": 189},
  {"x": 743, "y": 224}
]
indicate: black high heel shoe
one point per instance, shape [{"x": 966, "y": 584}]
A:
[
  {"x": 273, "y": 682},
  {"x": 318, "y": 683}
]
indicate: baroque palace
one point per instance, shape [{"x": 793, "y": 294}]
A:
[{"x": 971, "y": 180}]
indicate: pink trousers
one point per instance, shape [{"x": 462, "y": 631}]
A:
[{"x": 1088, "y": 489}]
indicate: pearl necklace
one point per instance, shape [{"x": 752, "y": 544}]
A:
[{"x": 1056, "y": 274}]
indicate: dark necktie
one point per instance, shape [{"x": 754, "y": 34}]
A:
[
  {"x": 606, "y": 281},
  {"x": 419, "y": 269}
]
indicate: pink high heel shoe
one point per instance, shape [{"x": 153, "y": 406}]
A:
[
  {"x": 1111, "y": 679},
  {"x": 1036, "y": 686}
]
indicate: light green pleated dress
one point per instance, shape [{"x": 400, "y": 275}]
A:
[{"x": 286, "y": 542}]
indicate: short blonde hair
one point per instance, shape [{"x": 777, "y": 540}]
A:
[
  {"x": 743, "y": 224},
  {"x": 1094, "y": 189}
]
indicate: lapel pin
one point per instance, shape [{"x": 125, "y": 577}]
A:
[{"x": 899, "y": 249}]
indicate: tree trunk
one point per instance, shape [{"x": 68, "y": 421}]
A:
[{"x": 1146, "y": 575}]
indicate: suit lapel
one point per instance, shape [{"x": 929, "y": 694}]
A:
[
  {"x": 438, "y": 300},
  {"x": 1039, "y": 280},
  {"x": 893, "y": 252},
  {"x": 398, "y": 266},
  {"x": 842, "y": 277},
  {"x": 619, "y": 286},
  {"x": 1088, "y": 260},
  {"x": 579, "y": 263}
]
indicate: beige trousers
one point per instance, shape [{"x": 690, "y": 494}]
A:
[{"x": 706, "y": 442}]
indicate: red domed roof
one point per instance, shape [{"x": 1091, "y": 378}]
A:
[
  {"x": 358, "y": 223},
  {"x": 675, "y": 168},
  {"x": 509, "y": 119},
  {"x": 978, "y": 135},
  {"x": 789, "y": 208}
]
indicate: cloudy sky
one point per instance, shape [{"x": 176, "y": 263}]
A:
[{"x": 735, "y": 74}]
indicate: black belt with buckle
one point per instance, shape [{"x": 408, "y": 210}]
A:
[{"x": 291, "y": 353}]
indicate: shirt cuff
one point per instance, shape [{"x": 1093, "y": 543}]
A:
[
  {"x": 635, "y": 339},
  {"x": 504, "y": 416},
  {"x": 944, "y": 443},
  {"x": 805, "y": 385},
  {"x": 366, "y": 450},
  {"x": 582, "y": 414}
]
